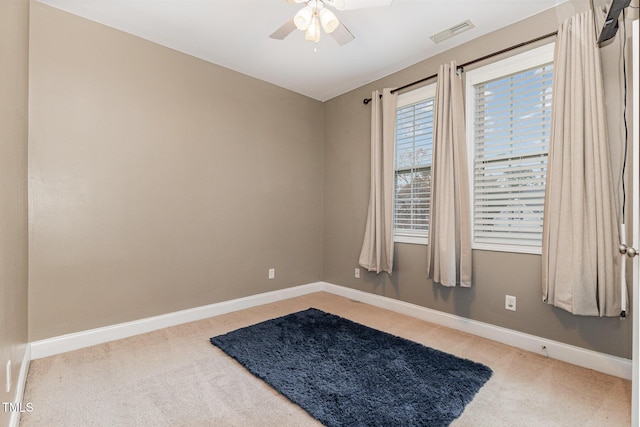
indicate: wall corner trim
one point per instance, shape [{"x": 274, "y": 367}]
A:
[
  {"x": 14, "y": 420},
  {"x": 605, "y": 363}
]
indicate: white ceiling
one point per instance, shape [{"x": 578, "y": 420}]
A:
[{"x": 235, "y": 35}]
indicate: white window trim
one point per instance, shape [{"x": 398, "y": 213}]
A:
[
  {"x": 532, "y": 58},
  {"x": 416, "y": 95},
  {"x": 404, "y": 99}
]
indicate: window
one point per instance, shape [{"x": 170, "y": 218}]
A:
[
  {"x": 508, "y": 125},
  {"x": 414, "y": 143}
]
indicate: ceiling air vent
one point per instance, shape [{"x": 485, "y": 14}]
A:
[{"x": 452, "y": 31}]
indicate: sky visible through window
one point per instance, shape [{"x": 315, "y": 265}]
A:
[
  {"x": 512, "y": 125},
  {"x": 511, "y": 144},
  {"x": 414, "y": 143}
]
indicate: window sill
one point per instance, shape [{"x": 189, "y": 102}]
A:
[
  {"x": 413, "y": 240},
  {"x": 508, "y": 248}
]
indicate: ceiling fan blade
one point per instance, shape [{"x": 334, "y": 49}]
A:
[
  {"x": 342, "y": 35},
  {"x": 282, "y": 32},
  {"x": 357, "y": 4}
]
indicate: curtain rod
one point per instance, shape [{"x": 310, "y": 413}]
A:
[{"x": 461, "y": 67}]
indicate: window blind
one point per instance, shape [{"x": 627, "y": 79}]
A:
[
  {"x": 414, "y": 143},
  {"x": 511, "y": 137}
]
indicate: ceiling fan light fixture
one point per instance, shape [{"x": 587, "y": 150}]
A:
[
  {"x": 314, "y": 18},
  {"x": 328, "y": 20},
  {"x": 303, "y": 18},
  {"x": 313, "y": 31}
]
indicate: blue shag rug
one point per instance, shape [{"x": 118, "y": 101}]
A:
[{"x": 347, "y": 374}]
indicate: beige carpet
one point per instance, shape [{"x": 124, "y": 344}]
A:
[{"x": 175, "y": 377}]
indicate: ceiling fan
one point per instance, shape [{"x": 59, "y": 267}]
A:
[{"x": 315, "y": 15}]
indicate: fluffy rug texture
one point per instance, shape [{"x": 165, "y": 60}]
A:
[{"x": 347, "y": 374}]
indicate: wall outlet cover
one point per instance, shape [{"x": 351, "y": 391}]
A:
[{"x": 510, "y": 302}]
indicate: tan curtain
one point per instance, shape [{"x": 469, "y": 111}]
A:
[
  {"x": 377, "y": 247},
  {"x": 580, "y": 259},
  {"x": 449, "y": 248}
]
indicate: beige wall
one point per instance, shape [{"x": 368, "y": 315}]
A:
[
  {"x": 14, "y": 46},
  {"x": 495, "y": 274},
  {"x": 160, "y": 182}
]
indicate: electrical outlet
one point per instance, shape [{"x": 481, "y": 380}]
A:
[
  {"x": 7, "y": 386},
  {"x": 272, "y": 273},
  {"x": 510, "y": 302},
  {"x": 357, "y": 273}
]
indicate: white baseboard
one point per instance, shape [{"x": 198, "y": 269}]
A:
[
  {"x": 612, "y": 365},
  {"x": 608, "y": 364},
  {"x": 21, "y": 382},
  {"x": 77, "y": 340}
]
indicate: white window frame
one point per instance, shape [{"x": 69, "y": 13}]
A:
[
  {"x": 517, "y": 63},
  {"x": 408, "y": 98}
]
